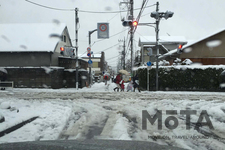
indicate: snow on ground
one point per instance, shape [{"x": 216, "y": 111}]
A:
[{"x": 99, "y": 112}]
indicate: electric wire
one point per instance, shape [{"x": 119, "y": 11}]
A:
[
  {"x": 109, "y": 37},
  {"x": 83, "y": 11}
]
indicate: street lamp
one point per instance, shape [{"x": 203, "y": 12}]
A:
[{"x": 158, "y": 15}]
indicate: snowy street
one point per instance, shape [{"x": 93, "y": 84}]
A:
[{"x": 100, "y": 113}]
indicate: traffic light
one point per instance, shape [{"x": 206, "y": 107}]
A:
[
  {"x": 179, "y": 49},
  {"x": 135, "y": 23},
  {"x": 127, "y": 23},
  {"x": 62, "y": 49},
  {"x": 155, "y": 15},
  {"x": 67, "y": 51},
  {"x": 168, "y": 14},
  {"x": 130, "y": 23}
]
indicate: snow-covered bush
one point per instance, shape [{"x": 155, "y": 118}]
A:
[
  {"x": 164, "y": 63},
  {"x": 184, "y": 78},
  {"x": 177, "y": 62},
  {"x": 186, "y": 62}
]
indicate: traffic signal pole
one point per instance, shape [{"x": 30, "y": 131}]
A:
[
  {"x": 76, "y": 35},
  {"x": 89, "y": 42},
  {"x": 132, "y": 33},
  {"x": 124, "y": 54}
]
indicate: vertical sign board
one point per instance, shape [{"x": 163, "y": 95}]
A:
[{"x": 103, "y": 30}]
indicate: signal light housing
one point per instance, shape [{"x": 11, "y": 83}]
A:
[
  {"x": 135, "y": 23},
  {"x": 130, "y": 23},
  {"x": 179, "y": 49},
  {"x": 62, "y": 49},
  {"x": 180, "y": 46}
]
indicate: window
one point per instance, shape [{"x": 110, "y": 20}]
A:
[{"x": 64, "y": 38}]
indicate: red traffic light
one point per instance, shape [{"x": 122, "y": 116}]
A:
[
  {"x": 135, "y": 23},
  {"x": 62, "y": 49},
  {"x": 180, "y": 46}
]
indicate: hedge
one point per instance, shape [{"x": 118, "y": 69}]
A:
[{"x": 183, "y": 78}]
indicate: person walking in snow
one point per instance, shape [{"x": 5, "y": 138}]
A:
[
  {"x": 122, "y": 85},
  {"x": 118, "y": 79},
  {"x": 136, "y": 83},
  {"x": 130, "y": 86}
]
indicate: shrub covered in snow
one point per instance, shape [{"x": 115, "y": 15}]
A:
[
  {"x": 184, "y": 78},
  {"x": 186, "y": 62}
]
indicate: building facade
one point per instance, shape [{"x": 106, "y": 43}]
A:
[
  {"x": 166, "y": 44},
  {"x": 209, "y": 50}
]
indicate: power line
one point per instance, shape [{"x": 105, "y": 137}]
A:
[
  {"x": 112, "y": 57},
  {"x": 108, "y": 48},
  {"x": 83, "y": 11},
  {"x": 109, "y": 37},
  {"x": 113, "y": 17},
  {"x": 50, "y": 7}
]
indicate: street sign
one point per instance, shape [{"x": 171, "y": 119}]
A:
[
  {"x": 90, "y": 61},
  {"x": 149, "y": 63},
  {"x": 148, "y": 67},
  {"x": 103, "y": 30},
  {"x": 88, "y": 49},
  {"x": 91, "y": 52},
  {"x": 88, "y": 54},
  {"x": 90, "y": 65}
]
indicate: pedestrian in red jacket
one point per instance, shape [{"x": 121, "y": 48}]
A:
[
  {"x": 118, "y": 79},
  {"x": 122, "y": 85}
]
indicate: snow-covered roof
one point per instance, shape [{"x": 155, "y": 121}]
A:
[
  {"x": 194, "y": 42},
  {"x": 148, "y": 40},
  {"x": 191, "y": 43},
  {"x": 29, "y": 37}
]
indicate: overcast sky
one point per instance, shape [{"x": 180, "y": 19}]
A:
[{"x": 192, "y": 19}]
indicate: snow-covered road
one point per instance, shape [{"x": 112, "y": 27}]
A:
[{"x": 101, "y": 113}]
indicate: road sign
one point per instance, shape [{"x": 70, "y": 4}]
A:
[
  {"x": 88, "y": 54},
  {"x": 148, "y": 67},
  {"x": 90, "y": 61},
  {"x": 103, "y": 30},
  {"x": 88, "y": 49},
  {"x": 90, "y": 65},
  {"x": 149, "y": 63}
]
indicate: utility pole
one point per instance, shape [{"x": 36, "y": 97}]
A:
[
  {"x": 124, "y": 54},
  {"x": 157, "y": 47},
  {"x": 158, "y": 15},
  {"x": 90, "y": 74},
  {"x": 76, "y": 35},
  {"x": 131, "y": 34}
]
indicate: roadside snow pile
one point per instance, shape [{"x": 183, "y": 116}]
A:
[
  {"x": 5, "y": 105},
  {"x": 52, "y": 116}
]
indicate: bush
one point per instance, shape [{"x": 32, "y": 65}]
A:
[{"x": 183, "y": 78}]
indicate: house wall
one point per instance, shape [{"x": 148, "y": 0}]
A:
[
  {"x": 24, "y": 59},
  {"x": 69, "y": 63},
  {"x": 45, "y": 77}
]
